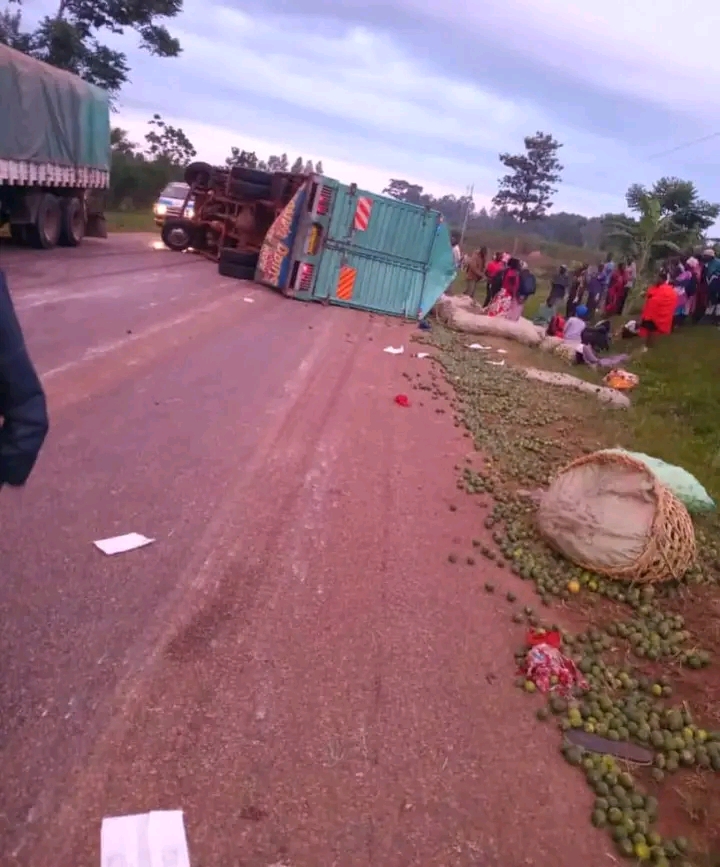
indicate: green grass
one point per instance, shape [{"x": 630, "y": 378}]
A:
[
  {"x": 131, "y": 221},
  {"x": 676, "y": 411}
]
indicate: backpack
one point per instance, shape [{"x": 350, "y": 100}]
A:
[{"x": 528, "y": 284}]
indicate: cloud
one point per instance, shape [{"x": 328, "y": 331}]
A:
[
  {"x": 355, "y": 98},
  {"x": 432, "y": 92}
]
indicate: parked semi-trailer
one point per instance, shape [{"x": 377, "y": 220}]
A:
[{"x": 54, "y": 153}]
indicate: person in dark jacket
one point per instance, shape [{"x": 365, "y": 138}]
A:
[{"x": 23, "y": 409}]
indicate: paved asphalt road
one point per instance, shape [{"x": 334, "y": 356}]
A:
[{"x": 294, "y": 662}]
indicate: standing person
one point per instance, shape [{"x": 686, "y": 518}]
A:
[
  {"x": 505, "y": 303},
  {"x": 606, "y": 272},
  {"x": 630, "y": 280},
  {"x": 682, "y": 281},
  {"x": 493, "y": 272},
  {"x": 527, "y": 286},
  {"x": 457, "y": 252},
  {"x": 594, "y": 290},
  {"x": 616, "y": 291},
  {"x": 695, "y": 269},
  {"x": 23, "y": 411},
  {"x": 475, "y": 270},
  {"x": 577, "y": 288},
  {"x": 659, "y": 310},
  {"x": 712, "y": 281},
  {"x": 560, "y": 285}
]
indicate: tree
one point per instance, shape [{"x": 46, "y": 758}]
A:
[
  {"x": 319, "y": 168},
  {"x": 526, "y": 191},
  {"x": 309, "y": 167},
  {"x": 404, "y": 191},
  {"x": 246, "y": 159},
  {"x": 169, "y": 143},
  {"x": 646, "y": 239},
  {"x": 70, "y": 38},
  {"x": 297, "y": 166},
  {"x": 120, "y": 143},
  {"x": 680, "y": 200}
]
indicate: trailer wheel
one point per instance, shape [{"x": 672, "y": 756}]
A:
[
  {"x": 73, "y": 222},
  {"x": 238, "y": 272},
  {"x": 246, "y": 190},
  {"x": 231, "y": 256},
  {"x": 44, "y": 234},
  {"x": 198, "y": 173},
  {"x": 254, "y": 176},
  {"x": 176, "y": 235}
]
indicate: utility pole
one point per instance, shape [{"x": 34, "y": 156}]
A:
[{"x": 469, "y": 193}]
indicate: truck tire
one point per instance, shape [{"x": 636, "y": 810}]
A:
[
  {"x": 246, "y": 190},
  {"x": 231, "y": 256},
  {"x": 254, "y": 176},
  {"x": 73, "y": 222},
  {"x": 198, "y": 173},
  {"x": 176, "y": 235},
  {"x": 238, "y": 272},
  {"x": 45, "y": 232}
]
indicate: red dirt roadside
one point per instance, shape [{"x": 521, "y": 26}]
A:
[{"x": 334, "y": 691}]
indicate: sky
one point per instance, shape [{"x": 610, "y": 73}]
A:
[{"x": 430, "y": 92}]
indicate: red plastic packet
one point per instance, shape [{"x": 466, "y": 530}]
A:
[{"x": 402, "y": 400}]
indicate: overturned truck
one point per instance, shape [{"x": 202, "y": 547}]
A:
[{"x": 313, "y": 238}]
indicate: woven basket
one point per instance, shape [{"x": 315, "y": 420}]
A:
[{"x": 670, "y": 550}]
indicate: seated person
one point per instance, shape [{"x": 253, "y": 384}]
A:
[{"x": 576, "y": 325}]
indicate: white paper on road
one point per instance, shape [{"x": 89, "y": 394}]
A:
[
  {"x": 502, "y": 351},
  {"x": 393, "y": 350},
  {"x": 249, "y": 300},
  {"x": 478, "y": 346},
  {"x": 496, "y": 363},
  {"x": 155, "y": 839},
  {"x": 121, "y": 544},
  {"x": 423, "y": 355}
]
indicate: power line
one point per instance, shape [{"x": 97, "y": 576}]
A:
[{"x": 686, "y": 144}]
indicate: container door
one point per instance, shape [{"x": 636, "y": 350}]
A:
[{"x": 376, "y": 253}]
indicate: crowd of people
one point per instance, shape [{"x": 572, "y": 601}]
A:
[{"x": 687, "y": 288}]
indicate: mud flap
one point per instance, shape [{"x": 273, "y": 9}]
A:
[{"x": 96, "y": 226}]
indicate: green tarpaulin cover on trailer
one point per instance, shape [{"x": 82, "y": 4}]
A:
[{"x": 48, "y": 115}]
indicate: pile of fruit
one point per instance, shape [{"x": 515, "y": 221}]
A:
[{"x": 638, "y": 639}]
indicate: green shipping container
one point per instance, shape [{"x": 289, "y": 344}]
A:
[{"x": 48, "y": 115}]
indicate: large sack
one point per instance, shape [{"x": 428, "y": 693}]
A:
[
  {"x": 682, "y": 483},
  {"x": 566, "y": 380},
  {"x": 460, "y": 312},
  {"x": 607, "y": 512}
]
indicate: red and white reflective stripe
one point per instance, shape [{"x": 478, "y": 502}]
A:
[{"x": 362, "y": 214}]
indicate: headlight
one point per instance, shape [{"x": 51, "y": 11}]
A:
[
  {"x": 160, "y": 210},
  {"x": 189, "y": 212}
]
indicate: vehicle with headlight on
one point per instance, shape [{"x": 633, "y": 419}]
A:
[{"x": 173, "y": 202}]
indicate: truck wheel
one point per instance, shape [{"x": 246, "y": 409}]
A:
[
  {"x": 198, "y": 173},
  {"x": 246, "y": 190},
  {"x": 44, "y": 234},
  {"x": 73, "y": 222},
  {"x": 238, "y": 272},
  {"x": 254, "y": 176},
  {"x": 176, "y": 235},
  {"x": 231, "y": 256}
]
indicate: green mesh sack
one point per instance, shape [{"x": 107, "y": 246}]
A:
[{"x": 679, "y": 481}]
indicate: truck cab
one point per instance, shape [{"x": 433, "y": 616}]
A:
[{"x": 173, "y": 201}]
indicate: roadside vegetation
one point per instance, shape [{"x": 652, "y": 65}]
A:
[{"x": 648, "y": 653}]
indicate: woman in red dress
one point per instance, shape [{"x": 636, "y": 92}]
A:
[
  {"x": 505, "y": 303},
  {"x": 616, "y": 291}
]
